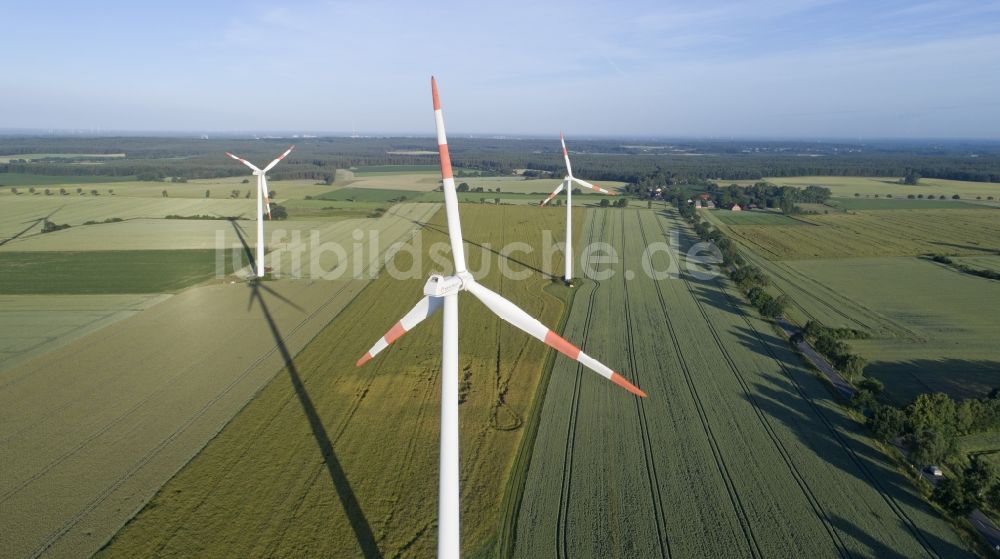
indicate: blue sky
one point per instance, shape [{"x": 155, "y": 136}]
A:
[{"x": 757, "y": 68}]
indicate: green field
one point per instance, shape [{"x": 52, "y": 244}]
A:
[
  {"x": 369, "y": 195},
  {"x": 981, "y": 445},
  {"x": 739, "y": 451},
  {"x": 345, "y": 458},
  {"x": 900, "y": 204},
  {"x": 756, "y": 217},
  {"x": 876, "y": 233},
  {"x": 941, "y": 333},
  {"x": 398, "y": 169},
  {"x": 930, "y": 328},
  {"x": 849, "y": 186},
  {"x": 34, "y": 156},
  {"x": 21, "y": 180},
  {"x": 96, "y": 271}
]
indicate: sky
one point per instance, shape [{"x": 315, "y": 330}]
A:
[{"x": 749, "y": 69}]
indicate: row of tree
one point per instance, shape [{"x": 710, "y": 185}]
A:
[
  {"x": 766, "y": 195},
  {"x": 829, "y": 342},
  {"x": 750, "y": 279}
]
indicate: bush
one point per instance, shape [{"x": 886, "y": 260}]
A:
[
  {"x": 49, "y": 227},
  {"x": 872, "y": 385},
  {"x": 951, "y": 494},
  {"x": 888, "y": 422},
  {"x": 279, "y": 212}
]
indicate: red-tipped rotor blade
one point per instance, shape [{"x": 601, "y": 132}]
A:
[
  {"x": 592, "y": 186},
  {"x": 554, "y": 194},
  {"x": 280, "y": 157},
  {"x": 243, "y": 161},
  {"x": 569, "y": 168},
  {"x": 423, "y": 309},
  {"x": 514, "y": 315}
]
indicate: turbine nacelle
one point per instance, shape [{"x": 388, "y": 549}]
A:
[{"x": 441, "y": 286}]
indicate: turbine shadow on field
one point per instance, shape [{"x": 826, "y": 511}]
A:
[
  {"x": 243, "y": 241},
  {"x": 33, "y": 223},
  {"x": 444, "y": 232},
  {"x": 362, "y": 530},
  {"x": 876, "y": 547}
]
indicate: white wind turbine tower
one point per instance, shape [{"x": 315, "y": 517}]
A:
[
  {"x": 567, "y": 183},
  {"x": 443, "y": 291},
  {"x": 263, "y": 202}
]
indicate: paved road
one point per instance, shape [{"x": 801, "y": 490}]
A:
[{"x": 819, "y": 362}]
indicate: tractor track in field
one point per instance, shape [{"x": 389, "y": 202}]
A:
[
  {"x": 852, "y": 454},
  {"x": 734, "y": 497},
  {"x": 562, "y": 525},
  {"x": 805, "y": 311},
  {"x": 765, "y": 422},
  {"x": 653, "y": 478}
]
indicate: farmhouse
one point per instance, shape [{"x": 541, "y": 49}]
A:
[{"x": 736, "y": 208}]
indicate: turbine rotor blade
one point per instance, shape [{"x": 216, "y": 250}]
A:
[
  {"x": 514, "y": 315},
  {"x": 554, "y": 194},
  {"x": 592, "y": 186},
  {"x": 280, "y": 157},
  {"x": 243, "y": 161},
  {"x": 448, "y": 185},
  {"x": 569, "y": 168},
  {"x": 423, "y": 309}
]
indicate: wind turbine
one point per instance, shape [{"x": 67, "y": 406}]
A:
[
  {"x": 567, "y": 183},
  {"x": 262, "y": 202},
  {"x": 443, "y": 291}
]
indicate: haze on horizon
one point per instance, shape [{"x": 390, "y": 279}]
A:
[{"x": 761, "y": 68}]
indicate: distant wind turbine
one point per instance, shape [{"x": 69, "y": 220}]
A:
[
  {"x": 443, "y": 291},
  {"x": 263, "y": 202},
  {"x": 567, "y": 183}
]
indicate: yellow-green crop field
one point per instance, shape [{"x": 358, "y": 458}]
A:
[
  {"x": 332, "y": 460},
  {"x": 31, "y": 325},
  {"x": 103, "y": 397}
]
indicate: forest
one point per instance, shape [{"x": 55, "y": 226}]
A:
[{"x": 653, "y": 163}]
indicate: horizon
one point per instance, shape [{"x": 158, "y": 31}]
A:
[
  {"x": 763, "y": 69},
  {"x": 11, "y": 133}
]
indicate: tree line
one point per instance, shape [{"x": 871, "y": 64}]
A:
[{"x": 661, "y": 164}]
